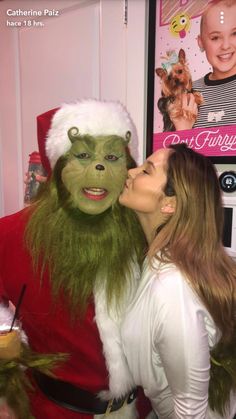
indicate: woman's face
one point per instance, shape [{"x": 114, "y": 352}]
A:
[
  {"x": 144, "y": 187},
  {"x": 218, "y": 39}
]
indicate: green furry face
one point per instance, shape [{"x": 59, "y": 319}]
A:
[{"x": 95, "y": 172}]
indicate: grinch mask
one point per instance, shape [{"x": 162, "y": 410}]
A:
[
  {"x": 95, "y": 171},
  {"x": 77, "y": 229}
]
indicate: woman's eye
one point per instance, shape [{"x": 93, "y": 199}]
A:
[
  {"x": 146, "y": 173},
  {"x": 111, "y": 157},
  {"x": 82, "y": 156}
]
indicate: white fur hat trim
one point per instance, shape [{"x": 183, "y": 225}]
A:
[{"x": 90, "y": 116}]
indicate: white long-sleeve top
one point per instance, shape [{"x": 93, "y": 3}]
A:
[{"x": 167, "y": 336}]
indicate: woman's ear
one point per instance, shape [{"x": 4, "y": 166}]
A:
[
  {"x": 200, "y": 43},
  {"x": 168, "y": 205}
]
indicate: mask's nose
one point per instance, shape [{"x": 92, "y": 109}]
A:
[{"x": 99, "y": 167}]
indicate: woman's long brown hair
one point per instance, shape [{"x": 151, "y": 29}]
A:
[{"x": 192, "y": 237}]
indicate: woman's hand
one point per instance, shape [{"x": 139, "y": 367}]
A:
[
  {"x": 6, "y": 412},
  {"x": 190, "y": 111}
]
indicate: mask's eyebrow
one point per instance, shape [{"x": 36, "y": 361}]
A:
[{"x": 89, "y": 142}]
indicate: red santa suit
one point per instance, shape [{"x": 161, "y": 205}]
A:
[{"x": 96, "y": 361}]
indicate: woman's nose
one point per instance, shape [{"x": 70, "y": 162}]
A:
[
  {"x": 132, "y": 173},
  {"x": 225, "y": 42}
]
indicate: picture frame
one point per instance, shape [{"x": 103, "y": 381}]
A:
[{"x": 159, "y": 36}]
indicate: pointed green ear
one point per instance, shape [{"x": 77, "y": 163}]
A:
[
  {"x": 73, "y": 134},
  {"x": 127, "y": 137}
]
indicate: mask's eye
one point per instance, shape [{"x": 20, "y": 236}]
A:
[
  {"x": 82, "y": 156},
  {"x": 111, "y": 157}
]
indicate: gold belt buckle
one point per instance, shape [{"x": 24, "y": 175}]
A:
[
  {"x": 110, "y": 403},
  {"x": 125, "y": 401},
  {"x": 109, "y": 407}
]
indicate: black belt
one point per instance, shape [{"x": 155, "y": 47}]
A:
[{"x": 71, "y": 397}]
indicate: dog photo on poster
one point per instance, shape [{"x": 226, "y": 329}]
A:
[{"x": 194, "y": 80}]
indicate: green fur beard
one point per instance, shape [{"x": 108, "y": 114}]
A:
[{"x": 82, "y": 250}]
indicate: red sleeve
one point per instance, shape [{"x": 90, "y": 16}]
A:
[
  {"x": 3, "y": 294},
  {"x": 5, "y": 225}
]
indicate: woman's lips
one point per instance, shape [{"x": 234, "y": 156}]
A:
[
  {"x": 96, "y": 194},
  {"x": 225, "y": 57}
]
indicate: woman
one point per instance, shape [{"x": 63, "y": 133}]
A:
[{"x": 184, "y": 310}]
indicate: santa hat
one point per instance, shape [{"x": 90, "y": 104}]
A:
[{"x": 90, "y": 116}]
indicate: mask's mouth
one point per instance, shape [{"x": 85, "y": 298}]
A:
[{"x": 95, "y": 194}]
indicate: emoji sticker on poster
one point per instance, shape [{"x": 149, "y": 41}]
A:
[{"x": 179, "y": 25}]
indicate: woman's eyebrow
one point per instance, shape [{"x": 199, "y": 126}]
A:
[
  {"x": 214, "y": 32},
  {"x": 151, "y": 164}
]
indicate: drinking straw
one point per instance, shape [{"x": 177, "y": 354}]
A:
[{"x": 18, "y": 306}]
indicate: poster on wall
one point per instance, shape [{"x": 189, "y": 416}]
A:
[{"x": 191, "y": 67}]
